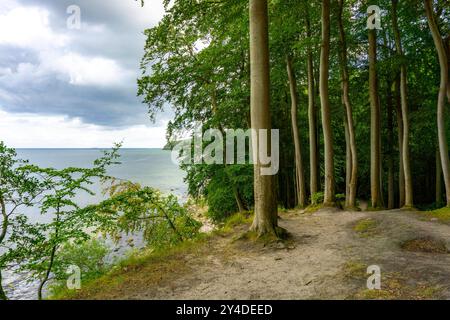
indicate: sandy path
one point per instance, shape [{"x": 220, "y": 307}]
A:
[{"x": 312, "y": 267}]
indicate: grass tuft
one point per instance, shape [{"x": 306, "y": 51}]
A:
[{"x": 366, "y": 227}]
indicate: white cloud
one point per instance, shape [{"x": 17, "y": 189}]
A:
[
  {"x": 38, "y": 131},
  {"x": 43, "y": 57},
  {"x": 89, "y": 71},
  {"x": 29, "y": 27}
]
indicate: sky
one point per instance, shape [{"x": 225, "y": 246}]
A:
[{"x": 67, "y": 87}]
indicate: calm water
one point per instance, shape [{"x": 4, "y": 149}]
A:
[{"x": 149, "y": 167}]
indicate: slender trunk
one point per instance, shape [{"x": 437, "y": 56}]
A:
[
  {"x": 52, "y": 258},
  {"x": 401, "y": 173},
  {"x": 2, "y": 292},
  {"x": 438, "y": 178},
  {"x": 266, "y": 216},
  {"x": 390, "y": 141},
  {"x": 404, "y": 107},
  {"x": 375, "y": 123},
  {"x": 447, "y": 51},
  {"x": 47, "y": 273},
  {"x": 352, "y": 158},
  {"x": 348, "y": 163},
  {"x": 2, "y": 237},
  {"x": 5, "y": 221},
  {"x": 329, "y": 195},
  {"x": 312, "y": 115},
  {"x": 300, "y": 177},
  {"x": 238, "y": 198},
  {"x": 443, "y": 147}
]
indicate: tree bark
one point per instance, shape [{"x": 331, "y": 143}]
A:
[
  {"x": 312, "y": 114},
  {"x": 443, "y": 62},
  {"x": 2, "y": 292},
  {"x": 447, "y": 51},
  {"x": 401, "y": 173},
  {"x": 266, "y": 216},
  {"x": 4, "y": 228},
  {"x": 329, "y": 195},
  {"x": 352, "y": 158},
  {"x": 375, "y": 172},
  {"x": 300, "y": 177},
  {"x": 390, "y": 141},
  {"x": 237, "y": 196},
  {"x": 438, "y": 178},
  {"x": 404, "y": 107}
]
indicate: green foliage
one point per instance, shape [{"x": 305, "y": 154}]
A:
[
  {"x": 131, "y": 208},
  {"x": 89, "y": 256},
  {"x": 34, "y": 248},
  {"x": 317, "y": 198}
]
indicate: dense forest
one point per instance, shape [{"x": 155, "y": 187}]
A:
[{"x": 359, "y": 92}]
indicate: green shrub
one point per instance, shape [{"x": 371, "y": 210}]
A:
[
  {"x": 89, "y": 256},
  {"x": 317, "y": 198}
]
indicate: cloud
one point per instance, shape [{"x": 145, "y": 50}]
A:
[
  {"x": 96, "y": 71},
  {"x": 89, "y": 74},
  {"x": 31, "y": 131},
  {"x": 29, "y": 27}
]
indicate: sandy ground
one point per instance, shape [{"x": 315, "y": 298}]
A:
[{"x": 325, "y": 259}]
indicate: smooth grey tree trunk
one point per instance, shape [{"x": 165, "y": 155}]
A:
[
  {"x": 443, "y": 62},
  {"x": 266, "y": 216},
  {"x": 329, "y": 194}
]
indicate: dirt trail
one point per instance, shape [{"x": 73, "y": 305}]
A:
[{"x": 327, "y": 259}]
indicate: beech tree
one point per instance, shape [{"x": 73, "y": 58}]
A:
[
  {"x": 351, "y": 152},
  {"x": 443, "y": 62},
  {"x": 375, "y": 132},
  {"x": 266, "y": 215},
  {"x": 329, "y": 194},
  {"x": 404, "y": 110}
]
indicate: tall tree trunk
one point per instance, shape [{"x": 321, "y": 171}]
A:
[
  {"x": 266, "y": 216},
  {"x": 312, "y": 114},
  {"x": 443, "y": 147},
  {"x": 329, "y": 195},
  {"x": 390, "y": 141},
  {"x": 300, "y": 176},
  {"x": 438, "y": 178},
  {"x": 447, "y": 51},
  {"x": 405, "y": 114},
  {"x": 350, "y": 137},
  {"x": 401, "y": 173},
  {"x": 375, "y": 172}
]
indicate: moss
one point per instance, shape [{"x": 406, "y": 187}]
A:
[
  {"x": 366, "y": 227},
  {"x": 442, "y": 215},
  {"x": 313, "y": 208},
  {"x": 394, "y": 287},
  {"x": 354, "y": 270}
]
